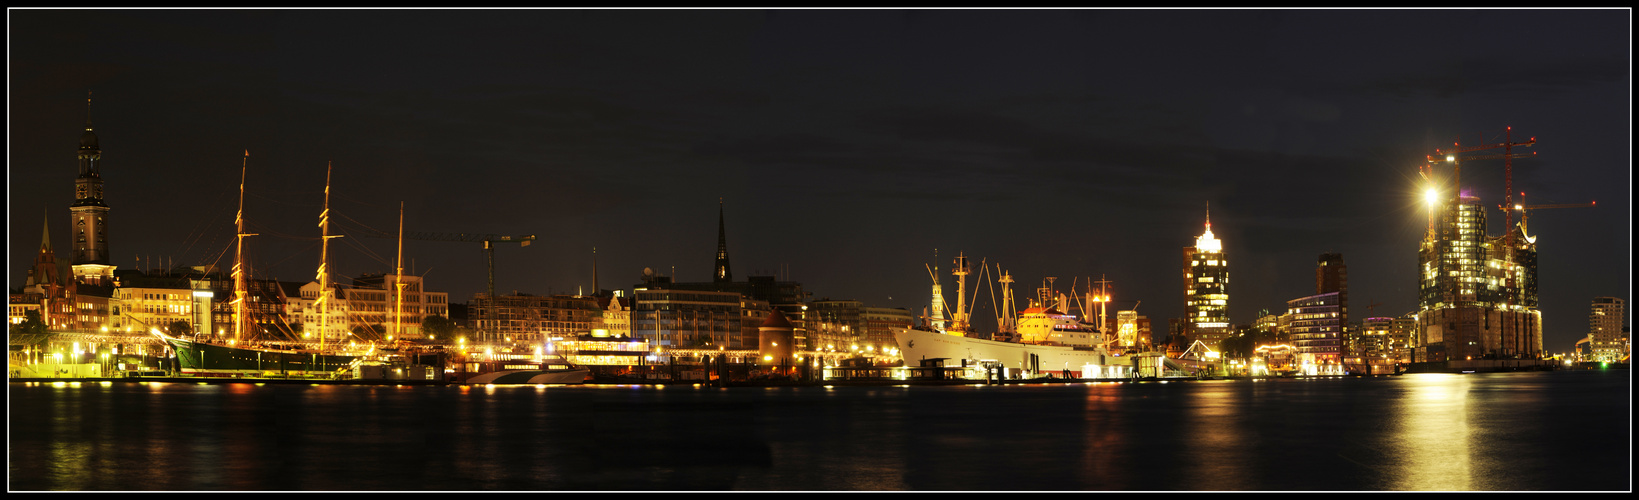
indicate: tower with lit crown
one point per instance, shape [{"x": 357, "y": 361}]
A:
[{"x": 1206, "y": 295}]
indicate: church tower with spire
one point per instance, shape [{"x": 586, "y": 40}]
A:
[
  {"x": 44, "y": 285},
  {"x": 89, "y": 230},
  {"x": 723, "y": 274}
]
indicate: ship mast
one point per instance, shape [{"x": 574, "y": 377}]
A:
[
  {"x": 398, "y": 280},
  {"x": 1103, "y": 299},
  {"x": 959, "y": 321},
  {"x": 1045, "y": 293},
  {"x": 240, "y": 291},
  {"x": 1009, "y": 313},
  {"x": 324, "y": 262}
]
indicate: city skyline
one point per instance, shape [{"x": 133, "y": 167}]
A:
[{"x": 846, "y": 145}]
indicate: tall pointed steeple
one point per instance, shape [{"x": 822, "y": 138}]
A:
[
  {"x": 45, "y": 272},
  {"x": 723, "y": 274},
  {"x": 89, "y": 230},
  {"x": 45, "y": 234}
]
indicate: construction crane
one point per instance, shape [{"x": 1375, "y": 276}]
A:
[
  {"x": 1525, "y": 209},
  {"x": 489, "y": 241},
  {"x": 1507, "y": 156}
]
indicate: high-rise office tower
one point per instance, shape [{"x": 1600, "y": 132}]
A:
[
  {"x": 1206, "y": 296},
  {"x": 1332, "y": 275}
]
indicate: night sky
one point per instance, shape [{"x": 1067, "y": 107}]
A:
[{"x": 847, "y": 145}]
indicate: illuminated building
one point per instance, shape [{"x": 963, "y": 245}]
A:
[
  {"x": 1607, "y": 341},
  {"x": 616, "y": 320},
  {"x": 1370, "y": 343},
  {"x": 1267, "y": 329},
  {"x": 301, "y": 306},
  {"x": 1314, "y": 324},
  {"x": 155, "y": 302},
  {"x": 525, "y": 318},
  {"x": 45, "y": 287},
  {"x": 1132, "y": 330},
  {"x": 18, "y": 306},
  {"x": 1332, "y": 275},
  {"x": 372, "y": 301},
  {"x": 785, "y": 296},
  {"x": 1478, "y": 295},
  {"x": 1403, "y": 337},
  {"x": 880, "y": 322},
  {"x": 266, "y": 306},
  {"x": 836, "y": 322},
  {"x": 752, "y": 313},
  {"x": 676, "y": 319},
  {"x": 1206, "y": 295},
  {"x": 775, "y": 343}
]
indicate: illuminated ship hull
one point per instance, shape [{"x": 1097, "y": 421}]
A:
[
  {"x": 202, "y": 359},
  {"x": 917, "y": 345}
]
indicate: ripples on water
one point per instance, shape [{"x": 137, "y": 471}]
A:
[{"x": 1556, "y": 431}]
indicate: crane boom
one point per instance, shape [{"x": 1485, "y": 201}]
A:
[
  {"x": 1561, "y": 205},
  {"x": 1508, "y": 156}
]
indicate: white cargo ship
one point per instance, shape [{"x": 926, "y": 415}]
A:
[{"x": 1043, "y": 340}]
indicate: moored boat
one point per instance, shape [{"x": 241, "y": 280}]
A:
[
  {"x": 1043, "y": 340},
  {"x": 205, "y": 359},
  {"x": 240, "y": 356},
  {"x": 551, "y": 370}
]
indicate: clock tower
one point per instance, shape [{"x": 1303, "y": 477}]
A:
[{"x": 90, "y": 213}]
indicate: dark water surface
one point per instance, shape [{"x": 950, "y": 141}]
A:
[{"x": 1544, "y": 431}]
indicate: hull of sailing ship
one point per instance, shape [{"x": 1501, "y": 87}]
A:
[
  {"x": 916, "y": 345},
  {"x": 211, "y": 360},
  {"x": 560, "y": 376}
]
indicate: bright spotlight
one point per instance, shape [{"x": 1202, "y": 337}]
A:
[{"x": 1432, "y": 196}]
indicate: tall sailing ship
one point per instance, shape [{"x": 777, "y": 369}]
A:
[
  {"x": 240, "y": 356},
  {"x": 1042, "y": 339}
]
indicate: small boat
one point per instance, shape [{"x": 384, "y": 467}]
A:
[{"x": 551, "y": 370}]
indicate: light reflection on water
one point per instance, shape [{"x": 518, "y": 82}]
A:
[
  {"x": 1417, "y": 432},
  {"x": 1433, "y": 434}
]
